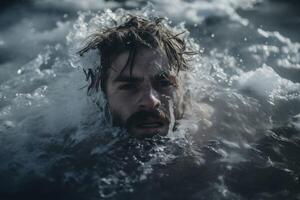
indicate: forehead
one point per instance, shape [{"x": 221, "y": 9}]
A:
[{"x": 146, "y": 62}]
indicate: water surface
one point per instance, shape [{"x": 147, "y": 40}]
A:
[{"x": 239, "y": 140}]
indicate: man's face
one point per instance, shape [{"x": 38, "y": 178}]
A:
[{"x": 142, "y": 101}]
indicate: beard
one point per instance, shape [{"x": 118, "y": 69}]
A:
[
  {"x": 146, "y": 123},
  {"x": 143, "y": 115}
]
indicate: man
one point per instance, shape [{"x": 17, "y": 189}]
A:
[{"x": 141, "y": 61}]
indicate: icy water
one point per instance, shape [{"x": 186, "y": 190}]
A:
[{"x": 239, "y": 138}]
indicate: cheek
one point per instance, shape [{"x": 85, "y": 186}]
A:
[
  {"x": 173, "y": 100},
  {"x": 120, "y": 109},
  {"x": 178, "y": 104},
  {"x": 170, "y": 95}
]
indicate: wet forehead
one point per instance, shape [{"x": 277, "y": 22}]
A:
[{"x": 147, "y": 62}]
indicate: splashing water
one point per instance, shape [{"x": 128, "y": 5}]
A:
[{"x": 239, "y": 138}]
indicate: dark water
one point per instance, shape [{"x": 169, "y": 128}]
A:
[{"x": 239, "y": 140}]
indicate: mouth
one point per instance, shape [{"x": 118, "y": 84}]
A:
[
  {"x": 150, "y": 125},
  {"x": 147, "y": 124},
  {"x": 149, "y": 128}
]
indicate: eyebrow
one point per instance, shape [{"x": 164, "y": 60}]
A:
[
  {"x": 162, "y": 75},
  {"x": 126, "y": 78},
  {"x": 156, "y": 77}
]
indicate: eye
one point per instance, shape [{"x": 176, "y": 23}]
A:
[
  {"x": 165, "y": 83},
  {"x": 128, "y": 86}
]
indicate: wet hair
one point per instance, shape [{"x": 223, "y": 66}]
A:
[{"x": 136, "y": 32}]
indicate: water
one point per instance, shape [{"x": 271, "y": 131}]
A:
[{"x": 239, "y": 140}]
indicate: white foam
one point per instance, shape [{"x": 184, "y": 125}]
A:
[
  {"x": 264, "y": 82},
  {"x": 285, "y": 53},
  {"x": 296, "y": 121},
  {"x": 78, "y": 4},
  {"x": 197, "y": 11}
]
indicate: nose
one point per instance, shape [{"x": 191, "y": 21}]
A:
[{"x": 149, "y": 99}]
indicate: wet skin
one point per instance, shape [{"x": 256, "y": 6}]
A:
[{"x": 141, "y": 102}]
